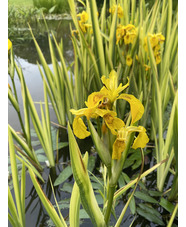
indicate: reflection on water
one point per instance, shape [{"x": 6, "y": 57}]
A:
[
  {"x": 60, "y": 29},
  {"x": 26, "y": 57}
]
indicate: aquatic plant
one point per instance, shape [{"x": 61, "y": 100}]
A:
[{"x": 126, "y": 56}]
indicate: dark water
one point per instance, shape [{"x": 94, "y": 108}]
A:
[{"x": 26, "y": 56}]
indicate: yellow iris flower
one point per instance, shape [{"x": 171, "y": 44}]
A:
[
  {"x": 82, "y": 22},
  {"x": 83, "y": 16},
  {"x": 122, "y": 139},
  {"x": 112, "y": 122},
  {"x": 155, "y": 41},
  {"x": 119, "y": 12},
  {"x": 111, "y": 89},
  {"x": 100, "y": 103},
  {"x": 84, "y": 27},
  {"x": 126, "y": 33}
]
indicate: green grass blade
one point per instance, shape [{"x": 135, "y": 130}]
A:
[
  {"x": 133, "y": 11},
  {"x": 29, "y": 165},
  {"x": 48, "y": 130},
  {"x": 59, "y": 82},
  {"x": 173, "y": 216},
  {"x": 45, "y": 133},
  {"x": 166, "y": 59},
  {"x": 12, "y": 70},
  {"x": 23, "y": 188},
  {"x": 112, "y": 38},
  {"x": 158, "y": 96},
  {"x": 25, "y": 108},
  {"x": 52, "y": 98},
  {"x": 77, "y": 75},
  {"x": 13, "y": 218},
  {"x": 75, "y": 201},
  {"x": 15, "y": 178},
  {"x": 74, "y": 206},
  {"x": 97, "y": 37},
  {"x": 170, "y": 131},
  {"x": 35, "y": 120},
  {"x": 165, "y": 171},
  {"x": 47, "y": 70},
  {"x": 175, "y": 135},
  {"x": 13, "y": 100},
  {"x": 103, "y": 16},
  {"x": 168, "y": 147},
  {"x": 131, "y": 183},
  {"x": 118, "y": 223},
  {"x": 66, "y": 75},
  {"x": 125, "y": 6},
  {"x": 46, "y": 203},
  {"x": 169, "y": 22},
  {"x": 153, "y": 21},
  {"x": 62, "y": 219},
  {"x": 22, "y": 143},
  {"x": 93, "y": 60}
]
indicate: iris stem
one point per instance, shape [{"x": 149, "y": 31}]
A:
[{"x": 110, "y": 200}]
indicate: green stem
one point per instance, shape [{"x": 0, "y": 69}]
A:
[
  {"x": 110, "y": 200},
  {"x": 116, "y": 171}
]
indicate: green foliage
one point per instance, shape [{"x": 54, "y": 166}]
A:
[
  {"x": 16, "y": 215},
  {"x": 18, "y": 17},
  {"x": 52, "y": 6},
  {"x": 64, "y": 175},
  {"x": 96, "y": 54}
]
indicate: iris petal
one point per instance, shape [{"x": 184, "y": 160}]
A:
[
  {"x": 136, "y": 106},
  {"x": 79, "y": 128},
  {"x": 118, "y": 148},
  {"x": 141, "y": 140}
]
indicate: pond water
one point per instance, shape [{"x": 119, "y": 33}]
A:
[{"x": 26, "y": 56}]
